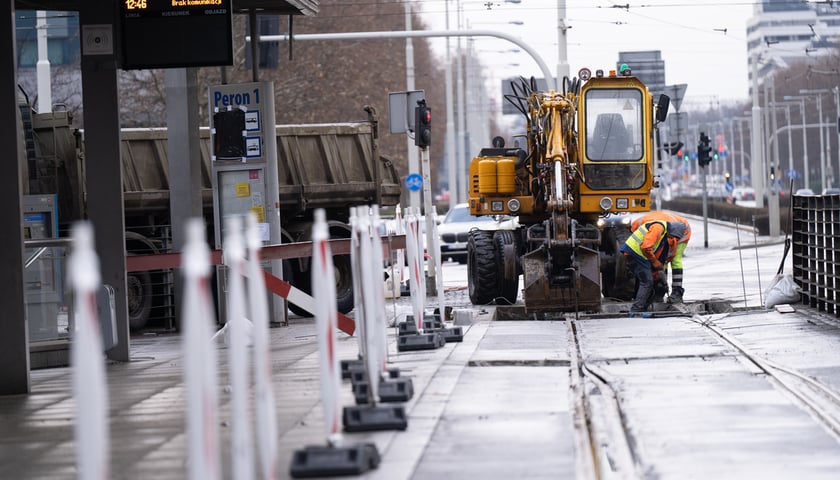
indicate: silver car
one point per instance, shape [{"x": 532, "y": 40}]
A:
[{"x": 455, "y": 230}]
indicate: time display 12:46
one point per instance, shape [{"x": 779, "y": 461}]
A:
[{"x": 135, "y": 4}]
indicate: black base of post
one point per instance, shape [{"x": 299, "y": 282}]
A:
[
  {"x": 452, "y": 334},
  {"x": 432, "y": 323},
  {"x": 393, "y": 389},
  {"x": 407, "y": 328},
  {"x": 396, "y": 390},
  {"x": 360, "y": 374},
  {"x": 316, "y": 461},
  {"x": 347, "y": 367},
  {"x": 374, "y": 417},
  {"x": 420, "y": 341}
]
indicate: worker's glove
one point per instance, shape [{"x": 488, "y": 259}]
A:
[
  {"x": 660, "y": 285},
  {"x": 657, "y": 265}
]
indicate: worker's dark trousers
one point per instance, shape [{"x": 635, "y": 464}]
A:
[{"x": 644, "y": 280}]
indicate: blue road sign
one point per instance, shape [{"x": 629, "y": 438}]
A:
[{"x": 414, "y": 182}]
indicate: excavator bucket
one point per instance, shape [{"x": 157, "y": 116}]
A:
[{"x": 557, "y": 284}]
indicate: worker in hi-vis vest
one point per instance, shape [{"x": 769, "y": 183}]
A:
[
  {"x": 642, "y": 248},
  {"x": 675, "y": 252}
]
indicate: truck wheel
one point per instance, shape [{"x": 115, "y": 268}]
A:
[
  {"x": 343, "y": 284},
  {"x": 139, "y": 299},
  {"x": 139, "y": 286},
  {"x": 482, "y": 275},
  {"x": 505, "y": 251}
]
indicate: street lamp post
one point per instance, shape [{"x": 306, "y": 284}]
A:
[
  {"x": 818, "y": 93},
  {"x": 786, "y": 106},
  {"x": 807, "y": 168}
]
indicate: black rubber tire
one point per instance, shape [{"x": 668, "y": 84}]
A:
[
  {"x": 343, "y": 284},
  {"x": 139, "y": 294},
  {"x": 508, "y": 281},
  {"x": 140, "y": 290},
  {"x": 618, "y": 281},
  {"x": 482, "y": 273}
]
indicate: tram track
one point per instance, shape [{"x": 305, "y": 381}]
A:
[
  {"x": 815, "y": 396},
  {"x": 606, "y": 448},
  {"x": 607, "y": 428}
]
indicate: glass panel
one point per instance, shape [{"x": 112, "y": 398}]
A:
[
  {"x": 47, "y": 305},
  {"x": 614, "y": 125}
]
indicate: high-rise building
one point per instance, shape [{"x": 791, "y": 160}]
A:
[{"x": 780, "y": 34}]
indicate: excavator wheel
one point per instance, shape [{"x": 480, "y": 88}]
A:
[
  {"x": 618, "y": 281},
  {"x": 508, "y": 266},
  {"x": 482, "y": 273}
]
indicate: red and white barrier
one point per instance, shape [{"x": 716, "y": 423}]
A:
[
  {"x": 371, "y": 284},
  {"x": 200, "y": 367},
  {"x": 414, "y": 250},
  {"x": 380, "y": 327},
  {"x": 242, "y": 459},
  {"x": 323, "y": 282},
  {"x": 266, "y": 417},
  {"x": 90, "y": 392}
]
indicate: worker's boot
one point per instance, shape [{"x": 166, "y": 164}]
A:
[{"x": 676, "y": 296}]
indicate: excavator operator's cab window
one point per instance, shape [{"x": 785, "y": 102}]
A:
[{"x": 613, "y": 125}]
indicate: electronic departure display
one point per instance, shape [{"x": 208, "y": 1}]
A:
[{"x": 176, "y": 33}]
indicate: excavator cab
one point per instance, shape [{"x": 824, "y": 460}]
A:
[{"x": 615, "y": 118}]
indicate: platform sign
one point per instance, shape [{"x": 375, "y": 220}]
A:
[
  {"x": 175, "y": 33},
  {"x": 401, "y": 110},
  {"x": 243, "y": 152}
]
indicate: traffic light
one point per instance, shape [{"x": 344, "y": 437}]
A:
[
  {"x": 673, "y": 148},
  {"x": 704, "y": 150},
  {"x": 422, "y": 124}
]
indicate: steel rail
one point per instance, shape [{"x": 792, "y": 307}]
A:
[
  {"x": 594, "y": 460},
  {"x": 829, "y": 417}
]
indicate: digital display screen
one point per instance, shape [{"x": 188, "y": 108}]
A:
[{"x": 176, "y": 33}]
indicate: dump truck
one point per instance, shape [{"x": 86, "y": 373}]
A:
[
  {"x": 587, "y": 155},
  {"x": 331, "y": 166}
]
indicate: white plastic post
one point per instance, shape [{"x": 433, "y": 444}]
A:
[
  {"x": 200, "y": 368},
  {"x": 380, "y": 328},
  {"x": 415, "y": 265},
  {"x": 326, "y": 318},
  {"x": 400, "y": 230},
  {"x": 438, "y": 265},
  {"x": 89, "y": 390},
  {"x": 266, "y": 417},
  {"x": 241, "y": 444},
  {"x": 369, "y": 287},
  {"x": 356, "y": 266}
]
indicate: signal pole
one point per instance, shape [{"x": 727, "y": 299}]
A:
[{"x": 704, "y": 152}]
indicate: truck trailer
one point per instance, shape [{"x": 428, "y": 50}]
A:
[{"x": 331, "y": 166}]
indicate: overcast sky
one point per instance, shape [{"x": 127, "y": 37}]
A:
[{"x": 702, "y": 42}]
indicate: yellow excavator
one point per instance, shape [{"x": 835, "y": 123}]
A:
[{"x": 587, "y": 154}]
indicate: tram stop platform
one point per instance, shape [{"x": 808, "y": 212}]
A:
[{"x": 516, "y": 398}]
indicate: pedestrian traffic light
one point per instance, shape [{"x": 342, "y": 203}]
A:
[
  {"x": 704, "y": 150},
  {"x": 422, "y": 124}
]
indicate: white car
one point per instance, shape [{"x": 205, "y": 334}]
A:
[
  {"x": 454, "y": 231},
  {"x": 743, "y": 196}
]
